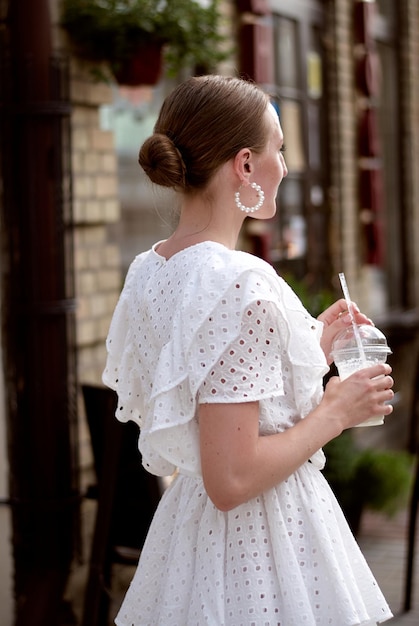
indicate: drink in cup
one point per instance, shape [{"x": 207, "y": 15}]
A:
[{"x": 353, "y": 351}]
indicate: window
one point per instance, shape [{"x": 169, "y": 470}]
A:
[
  {"x": 299, "y": 230},
  {"x": 389, "y": 131}
]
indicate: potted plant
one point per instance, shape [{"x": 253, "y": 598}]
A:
[
  {"x": 361, "y": 479},
  {"x": 143, "y": 35}
]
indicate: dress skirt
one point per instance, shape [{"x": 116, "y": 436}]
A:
[{"x": 285, "y": 558}]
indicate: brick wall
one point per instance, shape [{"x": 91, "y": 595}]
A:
[
  {"x": 96, "y": 205},
  {"x": 344, "y": 209},
  {"x": 367, "y": 285}
]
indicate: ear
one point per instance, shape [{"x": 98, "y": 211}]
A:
[{"x": 243, "y": 165}]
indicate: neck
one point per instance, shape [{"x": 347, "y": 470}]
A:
[
  {"x": 202, "y": 221},
  {"x": 189, "y": 235},
  {"x": 209, "y": 215}
]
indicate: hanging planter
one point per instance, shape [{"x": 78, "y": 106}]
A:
[
  {"x": 127, "y": 35},
  {"x": 143, "y": 68}
]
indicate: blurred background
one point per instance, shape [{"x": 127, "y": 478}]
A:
[{"x": 81, "y": 83}]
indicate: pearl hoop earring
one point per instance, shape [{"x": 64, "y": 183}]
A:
[{"x": 250, "y": 209}]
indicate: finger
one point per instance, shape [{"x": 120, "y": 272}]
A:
[
  {"x": 344, "y": 310},
  {"x": 385, "y": 389},
  {"x": 361, "y": 318},
  {"x": 390, "y": 395},
  {"x": 388, "y": 382},
  {"x": 348, "y": 314},
  {"x": 376, "y": 371},
  {"x": 332, "y": 312},
  {"x": 387, "y": 409},
  {"x": 345, "y": 317}
]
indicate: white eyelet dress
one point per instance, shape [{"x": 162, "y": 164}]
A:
[{"x": 216, "y": 325}]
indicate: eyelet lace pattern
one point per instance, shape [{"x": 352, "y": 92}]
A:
[{"x": 214, "y": 325}]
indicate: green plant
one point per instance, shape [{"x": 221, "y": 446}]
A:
[
  {"x": 113, "y": 31},
  {"x": 379, "y": 480},
  {"x": 315, "y": 301}
]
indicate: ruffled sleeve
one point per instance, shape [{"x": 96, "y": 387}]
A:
[
  {"x": 203, "y": 335},
  {"x": 120, "y": 372},
  {"x": 251, "y": 366},
  {"x": 162, "y": 358}
]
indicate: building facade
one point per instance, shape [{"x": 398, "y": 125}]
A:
[
  {"x": 344, "y": 76},
  {"x": 345, "y": 79}
]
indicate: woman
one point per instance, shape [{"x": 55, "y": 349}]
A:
[{"x": 216, "y": 359}]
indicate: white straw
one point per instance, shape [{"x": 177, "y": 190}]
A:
[{"x": 354, "y": 325}]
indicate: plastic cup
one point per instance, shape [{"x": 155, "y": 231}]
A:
[{"x": 348, "y": 358}]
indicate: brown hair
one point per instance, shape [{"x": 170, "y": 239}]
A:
[{"x": 202, "y": 124}]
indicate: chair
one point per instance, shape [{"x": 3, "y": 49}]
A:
[{"x": 127, "y": 498}]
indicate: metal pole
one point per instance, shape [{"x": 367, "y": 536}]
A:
[{"x": 39, "y": 314}]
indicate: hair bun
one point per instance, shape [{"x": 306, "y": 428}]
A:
[{"x": 162, "y": 161}]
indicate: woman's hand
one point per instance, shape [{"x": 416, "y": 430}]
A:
[
  {"x": 362, "y": 395},
  {"x": 335, "y": 318}
]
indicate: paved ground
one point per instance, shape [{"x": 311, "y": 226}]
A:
[{"x": 384, "y": 545}]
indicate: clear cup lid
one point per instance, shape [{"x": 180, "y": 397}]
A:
[{"x": 372, "y": 339}]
